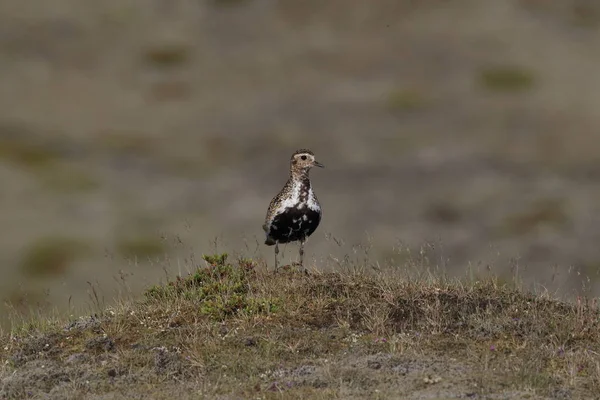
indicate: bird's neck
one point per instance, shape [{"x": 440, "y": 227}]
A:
[
  {"x": 300, "y": 187},
  {"x": 300, "y": 178},
  {"x": 300, "y": 175}
]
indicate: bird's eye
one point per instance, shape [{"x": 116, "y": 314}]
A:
[{"x": 303, "y": 157}]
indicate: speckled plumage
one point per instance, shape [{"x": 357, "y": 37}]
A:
[{"x": 294, "y": 213}]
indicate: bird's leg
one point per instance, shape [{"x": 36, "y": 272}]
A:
[
  {"x": 301, "y": 253},
  {"x": 276, "y": 253}
]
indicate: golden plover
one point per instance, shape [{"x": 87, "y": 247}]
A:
[{"x": 294, "y": 213}]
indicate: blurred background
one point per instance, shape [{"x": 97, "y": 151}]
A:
[{"x": 136, "y": 135}]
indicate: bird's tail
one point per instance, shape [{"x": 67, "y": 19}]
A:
[{"x": 270, "y": 241}]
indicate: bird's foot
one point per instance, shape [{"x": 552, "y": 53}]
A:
[{"x": 300, "y": 268}]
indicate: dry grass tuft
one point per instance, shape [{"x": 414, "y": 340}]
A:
[{"x": 236, "y": 329}]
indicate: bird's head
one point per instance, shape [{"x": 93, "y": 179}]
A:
[{"x": 302, "y": 161}]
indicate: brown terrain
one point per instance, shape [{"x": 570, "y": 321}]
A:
[
  {"x": 232, "y": 330},
  {"x": 461, "y": 136}
]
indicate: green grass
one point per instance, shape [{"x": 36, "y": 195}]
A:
[
  {"x": 221, "y": 290},
  {"x": 141, "y": 246},
  {"x": 234, "y": 329},
  {"x": 506, "y": 79},
  {"x": 228, "y": 2},
  {"x": 167, "y": 55},
  {"x": 26, "y": 153},
  {"x": 406, "y": 100},
  {"x": 51, "y": 256},
  {"x": 65, "y": 178},
  {"x": 128, "y": 143},
  {"x": 43, "y": 160}
]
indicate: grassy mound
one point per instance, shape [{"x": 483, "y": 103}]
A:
[{"x": 234, "y": 330}]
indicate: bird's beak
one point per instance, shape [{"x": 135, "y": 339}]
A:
[{"x": 318, "y": 164}]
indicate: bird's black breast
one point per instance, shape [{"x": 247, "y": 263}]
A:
[{"x": 294, "y": 224}]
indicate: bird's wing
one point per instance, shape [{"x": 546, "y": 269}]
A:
[
  {"x": 273, "y": 206},
  {"x": 271, "y": 212}
]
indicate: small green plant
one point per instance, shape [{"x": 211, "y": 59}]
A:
[
  {"x": 506, "y": 79},
  {"x": 221, "y": 289}
]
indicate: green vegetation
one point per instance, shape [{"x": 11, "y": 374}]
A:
[
  {"x": 228, "y": 2},
  {"x": 124, "y": 142},
  {"x": 51, "y": 256},
  {"x": 141, "y": 247},
  {"x": 236, "y": 329},
  {"x": 65, "y": 178},
  {"x": 221, "y": 290},
  {"x": 167, "y": 55},
  {"x": 506, "y": 79},
  {"x": 406, "y": 100},
  {"x": 42, "y": 159},
  {"x": 26, "y": 153}
]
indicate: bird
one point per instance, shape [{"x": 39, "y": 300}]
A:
[{"x": 294, "y": 213}]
